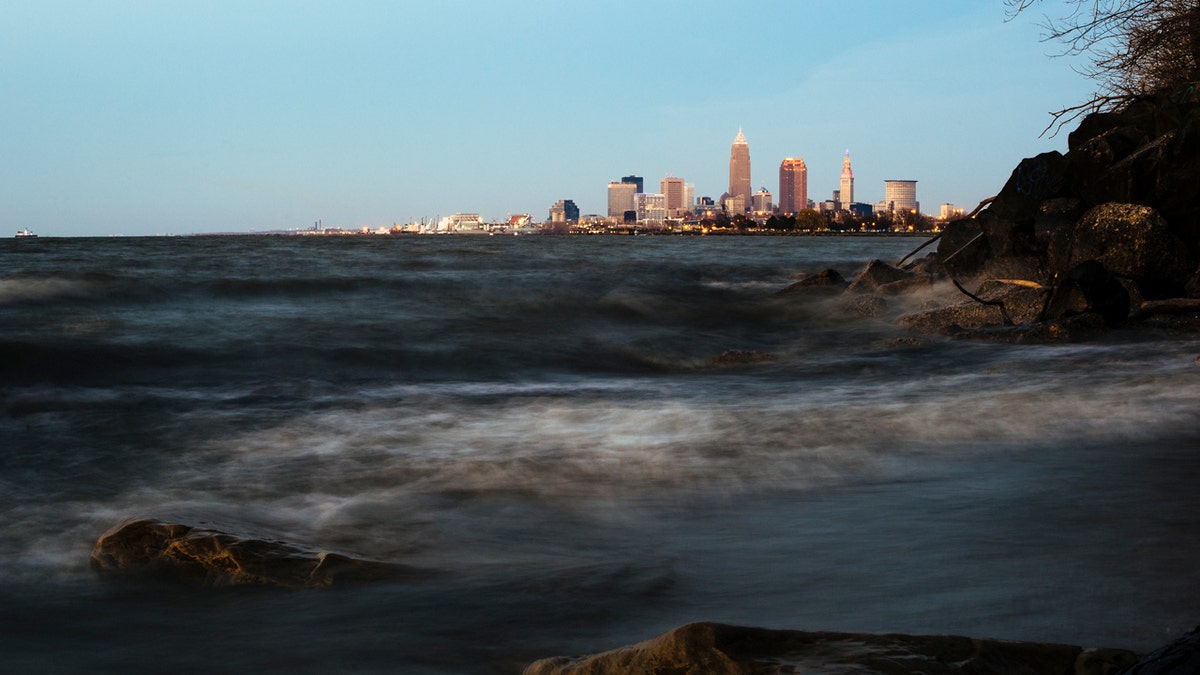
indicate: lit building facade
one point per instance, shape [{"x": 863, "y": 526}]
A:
[
  {"x": 673, "y": 189},
  {"x": 793, "y": 185},
  {"x": 564, "y": 211},
  {"x": 739, "y": 169},
  {"x": 621, "y": 198},
  {"x": 635, "y": 180},
  {"x": 761, "y": 202},
  {"x": 651, "y": 207},
  {"x": 900, "y": 195},
  {"x": 846, "y": 184}
]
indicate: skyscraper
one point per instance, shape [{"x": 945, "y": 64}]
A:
[
  {"x": 636, "y": 180},
  {"x": 847, "y": 183},
  {"x": 620, "y": 198},
  {"x": 793, "y": 185},
  {"x": 739, "y": 168},
  {"x": 673, "y": 189}
]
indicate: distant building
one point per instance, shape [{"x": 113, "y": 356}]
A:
[
  {"x": 761, "y": 202},
  {"x": 620, "y": 198},
  {"x": 689, "y": 197},
  {"x": 900, "y": 195},
  {"x": 564, "y": 211},
  {"x": 461, "y": 222},
  {"x": 734, "y": 204},
  {"x": 739, "y": 169},
  {"x": 950, "y": 212},
  {"x": 846, "y": 196},
  {"x": 673, "y": 189},
  {"x": 793, "y": 185},
  {"x": 651, "y": 207},
  {"x": 634, "y": 180}
]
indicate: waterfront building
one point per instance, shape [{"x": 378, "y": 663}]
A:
[
  {"x": 793, "y": 185},
  {"x": 900, "y": 195},
  {"x": 761, "y": 202},
  {"x": 673, "y": 189},
  {"x": 651, "y": 207},
  {"x": 461, "y": 222},
  {"x": 620, "y": 198},
  {"x": 564, "y": 211},
  {"x": 739, "y": 169},
  {"x": 950, "y": 212},
  {"x": 846, "y": 196}
]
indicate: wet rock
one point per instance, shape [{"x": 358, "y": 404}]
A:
[
  {"x": 1181, "y": 657},
  {"x": 738, "y": 357},
  {"x": 863, "y": 307},
  {"x": 147, "y": 549},
  {"x": 826, "y": 281},
  {"x": 1131, "y": 241},
  {"x": 1077, "y": 328},
  {"x": 877, "y": 273},
  {"x": 718, "y": 649},
  {"x": 963, "y": 249},
  {"x": 1089, "y": 287},
  {"x": 928, "y": 266},
  {"x": 1016, "y": 304}
]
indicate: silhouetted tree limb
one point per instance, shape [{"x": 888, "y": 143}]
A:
[{"x": 1135, "y": 47}]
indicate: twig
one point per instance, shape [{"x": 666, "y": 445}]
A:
[{"x": 976, "y": 298}]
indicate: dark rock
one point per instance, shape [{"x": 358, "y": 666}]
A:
[
  {"x": 963, "y": 249},
  {"x": 1035, "y": 180},
  {"x": 1181, "y": 657},
  {"x": 1088, "y": 287},
  {"x": 905, "y": 285},
  {"x": 928, "y": 266},
  {"x": 718, "y": 649},
  {"x": 738, "y": 357},
  {"x": 1021, "y": 304},
  {"x": 863, "y": 307},
  {"x": 825, "y": 281},
  {"x": 147, "y": 549},
  {"x": 1073, "y": 329},
  {"x": 876, "y": 274},
  {"x": 1055, "y": 215},
  {"x": 1131, "y": 241}
]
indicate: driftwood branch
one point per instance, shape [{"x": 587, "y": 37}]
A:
[
  {"x": 916, "y": 250},
  {"x": 1003, "y": 312}
]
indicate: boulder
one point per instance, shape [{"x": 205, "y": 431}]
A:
[
  {"x": 963, "y": 250},
  {"x": 826, "y": 281},
  {"x": 1077, "y": 328},
  {"x": 877, "y": 273},
  {"x": 1020, "y": 303},
  {"x": 148, "y": 549},
  {"x": 1088, "y": 287},
  {"x": 1181, "y": 657},
  {"x": 1131, "y": 241},
  {"x": 718, "y": 649}
]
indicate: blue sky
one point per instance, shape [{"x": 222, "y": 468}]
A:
[{"x": 186, "y": 117}]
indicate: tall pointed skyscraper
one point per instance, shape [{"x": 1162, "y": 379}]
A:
[
  {"x": 847, "y": 183},
  {"x": 739, "y": 169}
]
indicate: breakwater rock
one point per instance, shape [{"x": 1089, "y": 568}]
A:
[
  {"x": 148, "y": 549},
  {"x": 1074, "y": 243},
  {"x": 718, "y": 649}
]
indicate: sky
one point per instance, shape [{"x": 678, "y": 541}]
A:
[{"x": 171, "y": 117}]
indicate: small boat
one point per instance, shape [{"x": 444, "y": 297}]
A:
[{"x": 24, "y": 233}]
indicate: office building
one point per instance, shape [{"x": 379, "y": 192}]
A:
[
  {"x": 900, "y": 195},
  {"x": 564, "y": 211},
  {"x": 651, "y": 207},
  {"x": 673, "y": 189},
  {"x": 635, "y": 180},
  {"x": 761, "y": 202},
  {"x": 620, "y": 198},
  {"x": 793, "y": 185},
  {"x": 739, "y": 169}
]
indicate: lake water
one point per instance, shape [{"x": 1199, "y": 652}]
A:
[{"x": 542, "y": 420}]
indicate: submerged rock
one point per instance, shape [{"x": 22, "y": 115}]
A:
[
  {"x": 149, "y": 549},
  {"x": 718, "y": 649}
]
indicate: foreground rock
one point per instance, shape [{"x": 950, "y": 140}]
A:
[
  {"x": 147, "y": 549},
  {"x": 717, "y": 649}
]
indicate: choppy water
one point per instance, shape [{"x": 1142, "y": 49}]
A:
[{"x": 540, "y": 418}]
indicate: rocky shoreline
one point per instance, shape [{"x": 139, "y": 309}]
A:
[{"x": 1074, "y": 245}]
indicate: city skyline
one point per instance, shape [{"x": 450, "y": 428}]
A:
[{"x": 140, "y": 118}]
